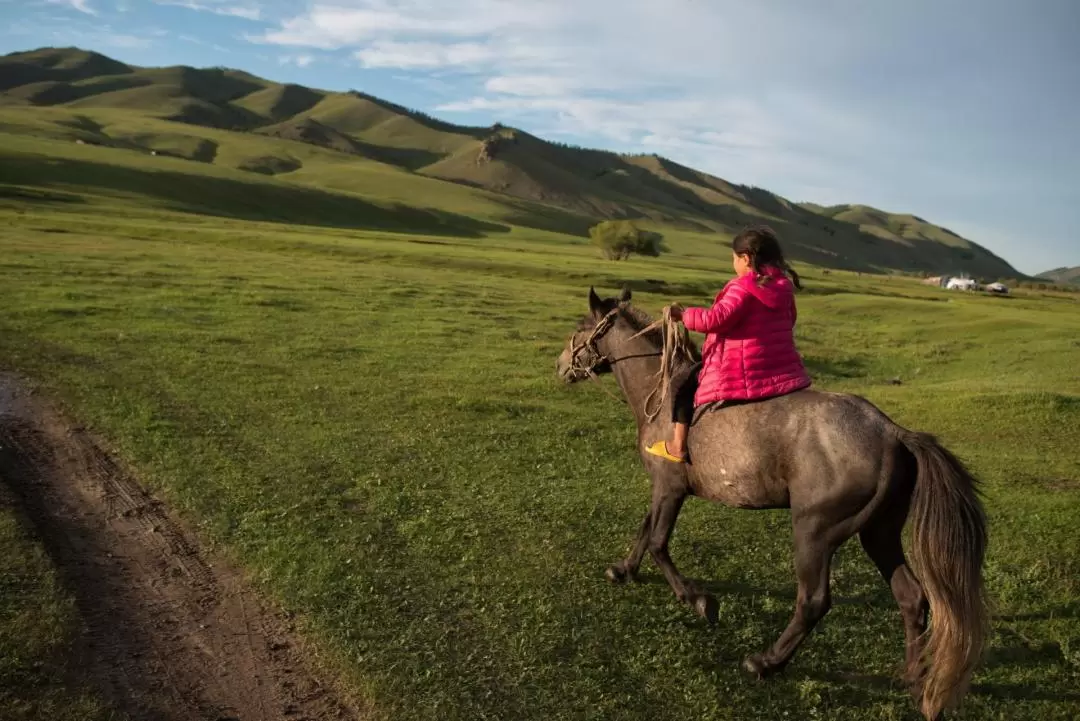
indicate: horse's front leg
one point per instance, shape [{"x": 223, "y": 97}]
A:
[
  {"x": 667, "y": 502},
  {"x": 626, "y": 569}
]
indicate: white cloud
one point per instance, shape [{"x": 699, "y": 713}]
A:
[
  {"x": 331, "y": 26},
  {"x": 636, "y": 74},
  {"x": 417, "y": 55},
  {"x": 82, "y": 6},
  {"x": 817, "y": 101},
  {"x": 218, "y": 7}
]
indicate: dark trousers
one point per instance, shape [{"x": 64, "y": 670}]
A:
[{"x": 684, "y": 385}]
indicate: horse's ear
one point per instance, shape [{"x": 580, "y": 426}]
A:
[
  {"x": 624, "y": 297},
  {"x": 595, "y": 304}
]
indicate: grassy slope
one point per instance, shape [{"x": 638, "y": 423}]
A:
[
  {"x": 369, "y": 421},
  {"x": 1062, "y": 275},
  {"x": 589, "y": 182},
  {"x": 319, "y": 172}
]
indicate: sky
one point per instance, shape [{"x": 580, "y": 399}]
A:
[{"x": 963, "y": 112}]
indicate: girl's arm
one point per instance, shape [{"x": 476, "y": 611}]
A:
[{"x": 721, "y": 316}]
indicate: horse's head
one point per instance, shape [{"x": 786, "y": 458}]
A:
[{"x": 583, "y": 355}]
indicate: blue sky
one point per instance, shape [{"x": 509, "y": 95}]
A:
[{"x": 964, "y": 112}]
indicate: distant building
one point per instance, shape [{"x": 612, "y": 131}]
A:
[
  {"x": 939, "y": 281},
  {"x": 962, "y": 284}
]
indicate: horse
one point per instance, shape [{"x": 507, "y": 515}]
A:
[{"x": 841, "y": 466}]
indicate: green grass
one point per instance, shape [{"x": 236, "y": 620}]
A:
[
  {"x": 38, "y": 623},
  {"x": 368, "y": 421}
]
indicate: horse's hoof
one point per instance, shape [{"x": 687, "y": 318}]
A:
[
  {"x": 755, "y": 666},
  {"x": 707, "y": 607},
  {"x": 617, "y": 574}
]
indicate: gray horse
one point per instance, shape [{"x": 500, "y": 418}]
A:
[{"x": 843, "y": 468}]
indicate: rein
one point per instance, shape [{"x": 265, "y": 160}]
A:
[{"x": 676, "y": 345}]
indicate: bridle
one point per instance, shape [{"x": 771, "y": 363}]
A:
[
  {"x": 675, "y": 345},
  {"x": 577, "y": 350}
]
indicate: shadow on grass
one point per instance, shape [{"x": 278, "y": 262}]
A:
[
  {"x": 824, "y": 368},
  {"x": 1065, "y": 610},
  {"x": 38, "y": 195},
  {"x": 50, "y": 180},
  {"x": 736, "y": 588}
]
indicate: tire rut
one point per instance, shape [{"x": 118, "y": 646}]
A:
[{"x": 170, "y": 632}]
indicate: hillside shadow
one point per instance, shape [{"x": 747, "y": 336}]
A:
[
  {"x": 230, "y": 198},
  {"x": 407, "y": 158},
  {"x": 544, "y": 217}
]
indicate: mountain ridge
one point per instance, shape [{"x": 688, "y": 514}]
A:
[
  {"x": 1065, "y": 274},
  {"x": 593, "y": 184}
]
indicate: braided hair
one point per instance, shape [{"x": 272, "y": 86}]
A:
[{"x": 761, "y": 245}]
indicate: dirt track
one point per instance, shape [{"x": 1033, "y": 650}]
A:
[{"x": 170, "y": 633}]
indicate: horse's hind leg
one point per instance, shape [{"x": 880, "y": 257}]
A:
[
  {"x": 627, "y": 568},
  {"x": 665, "y": 509},
  {"x": 881, "y": 540},
  {"x": 813, "y": 556}
]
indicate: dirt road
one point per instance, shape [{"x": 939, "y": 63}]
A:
[{"x": 170, "y": 632}]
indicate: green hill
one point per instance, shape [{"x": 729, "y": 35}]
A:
[
  {"x": 354, "y": 143},
  {"x": 1062, "y": 275}
]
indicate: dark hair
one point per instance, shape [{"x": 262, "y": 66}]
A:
[{"x": 763, "y": 248}]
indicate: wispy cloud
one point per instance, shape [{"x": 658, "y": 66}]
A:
[
  {"x": 300, "y": 61},
  {"x": 82, "y": 6},
  {"x": 351, "y": 22},
  {"x": 423, "y": 55},
  {"x": 124, "y": 40},
  {"x": 631, "y": 73},
  {"x": 247, "y": 12}
]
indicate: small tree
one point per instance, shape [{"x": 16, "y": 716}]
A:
[{"x": 619, "y": 239}]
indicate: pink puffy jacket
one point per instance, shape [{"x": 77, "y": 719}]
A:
[{"x": 749, "y": 350}]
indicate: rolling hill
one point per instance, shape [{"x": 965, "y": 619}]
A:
[
  {"x": 354, "y": 143},
  {"x": 1062, "y": 275}
]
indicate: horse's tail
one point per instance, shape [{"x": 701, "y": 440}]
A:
[{"x": 948, "y": 545}]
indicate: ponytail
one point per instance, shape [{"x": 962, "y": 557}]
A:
[{"x": 784, "y": 266}]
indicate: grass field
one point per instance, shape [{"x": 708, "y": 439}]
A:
[{"x": 368, "y": 421}]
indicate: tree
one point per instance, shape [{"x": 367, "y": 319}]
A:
[{"x": 619, "y": 239}]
